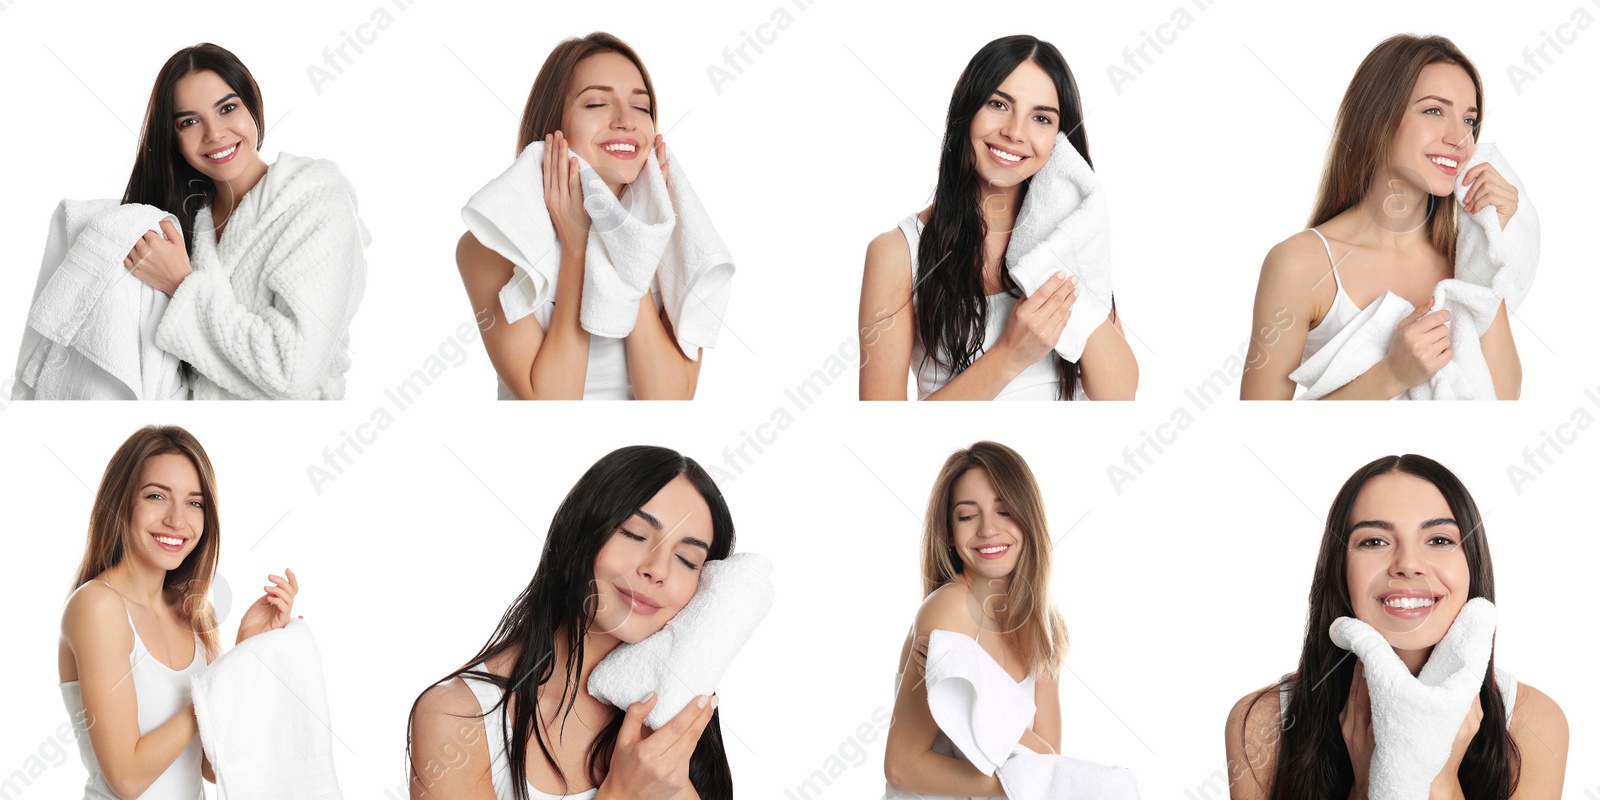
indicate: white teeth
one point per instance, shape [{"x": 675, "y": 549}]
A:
[
  {"x": 1005, "y": 155},
  {"x": 169, "y": 540},
  {"x": 223, "y": 154},
  {"x": 992, "y": 549},
  {"x": 1408, "y": 602},
  {"x": 1443, "y": 161},
  {"x": 620, "y": 148}
]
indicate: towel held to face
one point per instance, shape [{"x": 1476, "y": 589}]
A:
[
  {"x": 657, "y": 234},
  {"x": 1063, "y": 226},
  {"x": 1415, "y": 718},
  {"x": 688, "y": 657},
  {"x": 1492, "y": 265},
  {"x": 91, "y": 331}
]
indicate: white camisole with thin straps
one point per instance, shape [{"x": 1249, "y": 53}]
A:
[
  {"x": 488, "y": 696},
  {"x": 1339, "y": 314},
  {"x": 162, "y": 693}
]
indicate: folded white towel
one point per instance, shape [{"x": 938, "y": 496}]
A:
[
  {"x": 1491, "y": 265},
  {"x": 984, "y": 713},
  {"x": 264, "y": 722},
  {"x": 1063, "y": 226},
  {"x": 1415, "y": 718},
  {"x": 91, "y": 328},
  {"x": 688, "y": 657},
  {"x": 658, "y": 231}
]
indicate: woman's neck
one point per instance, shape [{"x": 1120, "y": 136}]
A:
[
  {"x": 144, "y": 584},
  {"x": 998, "y": 205},
  {"x": 231, "y": 193},
  {"x": 595, "y": 647},
  {"x": 1414, "y": 659},
  {"x": 985, "y": 591},
  {"x": 1394, "y": 215}
]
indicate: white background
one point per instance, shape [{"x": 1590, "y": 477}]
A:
[{"x": 1182, "y": 592}]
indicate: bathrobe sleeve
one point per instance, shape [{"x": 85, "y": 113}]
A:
[{"x": 314, "y": 277}]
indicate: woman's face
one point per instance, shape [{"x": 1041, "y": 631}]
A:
[
  {"x": 216, "y": 133},
  {"x": 169, "y": 515},
  {"x": 607, "y": 118},
  {"x": 650, "y": 567},
  {"x": 1406, "y": 570},
  {"x": 987, "y": 541},
  {"x": 1014, "y": 132},
  {"x": 1435, "y": 137}
]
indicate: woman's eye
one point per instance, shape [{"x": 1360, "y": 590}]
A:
[
  {"x": 966, "y": 518},
  {"x": 1044, "y": 120},
  {"x": 998, "y": 105},
  {"x": 1473, "y": 123},
  {"x": 631, "y": 535},
  {"x": 197, "y": 504},
  {"x": 229, "y": 107},
  {"x": 1371, "y": 542},
  {"x": 185, "y": 122},
  {"x": 688, "y": 563},
  {"x": 1442, "y": 541},
  {"x": 595, "y": 105},
  {"x": 153, "y": 496}
]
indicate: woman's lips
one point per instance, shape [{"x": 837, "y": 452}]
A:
[
  {"x": 1408, "y": 606},
  {"x": 624, "y": 154},
  {"x": 995, "y": 157},
  {"x": 637, "y": 603},
  {"x": 1445, "y": 168},
  {"x": 231, "y": 150},
  {"x": 1001, "y": 553},
  {"x": 171, "y": 548}
]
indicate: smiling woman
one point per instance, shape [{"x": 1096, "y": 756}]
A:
[
  {"x": 623, "y": 556},
  {"x": 1403, "y": 552}
]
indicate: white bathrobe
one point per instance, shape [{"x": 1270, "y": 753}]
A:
[{"x": 266, "y": 312}]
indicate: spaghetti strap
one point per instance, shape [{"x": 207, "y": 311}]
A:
[
  {"x": 125, "y": 610},
  {"x": 1332, "y": 264}
]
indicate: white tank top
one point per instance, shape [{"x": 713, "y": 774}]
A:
[
  {"x": 1339, "y": 314},
  {"x": 162, "y": 694},
  {"x": 488, "y": 695},
  {"x": 1037, "y": 381}
]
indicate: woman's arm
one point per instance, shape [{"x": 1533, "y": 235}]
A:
[
  {"x": 95, "y": 627},
  {"x": 1284, "y": 304},
  {"x": 449, "y": 755},
  {"x": 1254, "y": 728},
  {"x": 530, "y": 368},
  {"x": 885, "y": 318},
  {"x": 657, "y": 368},
  {"x": 1539, "y": 728},
  {"x": 1107, "y": 368},
  {"x": 316, "y": 276},
  {"x": 910, "y": 763},
  {"x": 1505, "y": 367},
  {"x": 1046, "y": 734}
]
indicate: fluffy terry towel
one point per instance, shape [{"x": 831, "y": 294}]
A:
[
  {"x": 656, "y": 232},
  {"x": 263, "y": 713},
  {"x": 688, "y": 657},
  {"x": 1415, "y": 718},
  {"x": 1063, "y": 227},
  {"x": 984, "y": 714},
  {"x": 1492, "y": 265},
  {"x": 92, "y": 327},
  {"x": 266, "y": 313}
]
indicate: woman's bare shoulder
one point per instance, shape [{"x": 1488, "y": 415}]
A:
[{"x": 951, "y": 608}]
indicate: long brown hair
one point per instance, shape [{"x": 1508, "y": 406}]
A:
[
  {"x": 1038, "y": 630},
  {"x": 548, "y": 98},
  {"x": 1369, "y": 115},
  {"x": 161, "y": 177},
  {"x": 188, "y": 586}
]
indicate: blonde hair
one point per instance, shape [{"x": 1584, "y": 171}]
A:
[
  {"x": 188, "y": 586},
  {"x": 1038, "y": 631}
]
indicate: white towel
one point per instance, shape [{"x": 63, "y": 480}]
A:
[
  {"x": 1415, "y": 718},
  {"x": 263, "y": 713},
  {"x": 688, "y": 657},
  {"x": 1063, "y": 226},
  {"x": 91, "y": 328},
  {"x": 1491, "y": 265},
  {"x": 657, "y": 232},
  {"x": 984, "y": 714}
]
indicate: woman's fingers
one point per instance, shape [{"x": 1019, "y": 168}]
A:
[
  {"x": 633, "y": 721},
  {"x": 682, "y": 746}
]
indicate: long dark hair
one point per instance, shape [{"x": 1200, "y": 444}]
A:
[
  {"x": 1369, "y": 115},
  {"x": 951, "y": 310},
  {"x": 161, "y": 177},
  {"x": 1312, "y": 759},
  {"x": 541, "y": 115},
  {"x": 557, "y": 600}
]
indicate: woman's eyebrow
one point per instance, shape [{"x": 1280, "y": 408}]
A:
[
  {"x": 1381, "y": 524},
  {"x": 1442, "y": 100},
  {"x": 168, "y": 489},
  {"x": 650, "y": 518},
  {"x": 1437, "y": 521},
  {"x": 229, "y": 96},
  {"x": 693, "y": 542},
  {"x": 608, "y": 89},
  {"x": 1013, "y": 101}
]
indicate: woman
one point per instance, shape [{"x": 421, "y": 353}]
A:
[
  {"x": 269, "y": 270},
  {"x": 965, "y": 330},
  {"x": 1401, "y": 525},
  {"x": 1384, "y": 222},
  {"x": 622, "y": 557},
  {"x": 592, "y": 98},
  {"x": 985, "y": 574},
  {"x": 139, "y": 609}
]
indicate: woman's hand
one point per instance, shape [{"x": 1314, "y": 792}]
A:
[
  {"x": 1420, "y": 347},
  {"x": 919, "y": 655},
  {"x": 159, "y": 259},
  {"x": 1445, "y": 784},
  {"x": 273, "y": 610},
  {"x": 1036, "y": 323},
  {"x": 661, "y": 154},
  {"x": 655, "y": 766},
  {"x": 1355, "y": 722},
  {"x": 1489, "y": 188},
  {"x": 563, "y": 193}
]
